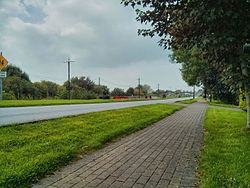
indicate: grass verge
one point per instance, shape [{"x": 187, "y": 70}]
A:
[
  {"x": 225, "y": 159},
  {"x": 30, "y": 151},
  {"x": 189, "y": 101},
  {"x": 19, "y": 103},
  {"x": 218, "y": 103}
]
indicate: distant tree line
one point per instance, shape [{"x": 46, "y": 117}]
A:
[{"x": 17, "y": 85}]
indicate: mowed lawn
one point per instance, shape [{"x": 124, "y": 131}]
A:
[
  {"x": 189, "y": 101},
  {"x": 218, "y": 103},
  {"x": 30, "y": 151},
  {"x": 17, "y": 103},
  {"x": 225, "y": 159}
]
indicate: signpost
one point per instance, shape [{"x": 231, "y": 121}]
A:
[{"x": 3, "y": 74}]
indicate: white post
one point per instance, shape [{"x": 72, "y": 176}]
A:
[{"x": 1, "y": 89}]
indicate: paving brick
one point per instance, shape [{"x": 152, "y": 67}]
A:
[
  {"x": 143, "y": 180},
  {"x": 162, "y": 155},
  {"x": 129, "y": 183},
  {"x": 151, "y": 184},
  {"x": 95, "y": 183},
  {"x": 80, "y": 184},
  {"x": 108, "y": 182},
  {"x": 138, "y": 185},
  {"x": 116, "y": 184},
  {"x": 163, "y": 184}
]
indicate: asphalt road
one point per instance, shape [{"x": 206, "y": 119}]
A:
[{"x": 15, "y": 115}]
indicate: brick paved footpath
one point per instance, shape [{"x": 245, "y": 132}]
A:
[{"x": 162, "y": 155}]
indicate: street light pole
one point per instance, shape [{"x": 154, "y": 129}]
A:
[
  {"x": 139, "y": 80},
  {"x": 69, "y": 84},
  {"x": 158, "y": 90}
]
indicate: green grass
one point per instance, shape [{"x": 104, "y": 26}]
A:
[
  {"x": 218, "y": 103},
  {"x": 19, "y": 103},
  {"x": 30, "y": 151},
  {"x": 189, "y": 101},
  {"x": 225, "y": 159}
]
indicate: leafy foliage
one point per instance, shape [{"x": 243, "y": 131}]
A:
[
  {"x": 218, "y": 29},
  {"x": 130, "y": 91},
  {"x": 13, "y": 70},
  {"x": 17, "y": 85},
  {"x": 118, "y": 92},
  {"x": 46, "y": 89}
]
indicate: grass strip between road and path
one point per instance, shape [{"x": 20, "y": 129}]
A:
[
  {"x": 218, "y": 103},
  {"x": 189, "y": 101},
  {"x": 225, "y": 158},
  {"x": 30, "y": 151},
  {"x": 21, "y": 103}
]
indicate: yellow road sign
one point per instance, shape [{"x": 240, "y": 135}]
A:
[{"x": 3, "y": 62}]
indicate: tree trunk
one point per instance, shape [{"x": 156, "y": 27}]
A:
[
  {"x": 193, "y": 92},
  {"x": 246, "y": 75},
  {"x": 247, "y": 93},
  {"x": 205, "y": 93}
]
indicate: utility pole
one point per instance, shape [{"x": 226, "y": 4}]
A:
[
  {"x": 139, "y": 82},
  {"x": 69, "y": 84},
  {"x": 158, "y": 90}
]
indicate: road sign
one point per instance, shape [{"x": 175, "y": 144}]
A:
[
  {"x": 3, "y": 62},
  {"x": 3, "y": 74}
]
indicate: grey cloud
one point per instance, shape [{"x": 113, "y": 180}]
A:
[
  {"x": 34, "y": 13},
  {"x": 101, "y": 35}
]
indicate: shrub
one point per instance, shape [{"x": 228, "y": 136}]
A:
[{"x": 9, "y": 96}]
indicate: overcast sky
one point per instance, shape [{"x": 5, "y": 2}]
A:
[{"x": 100, "y": 35}]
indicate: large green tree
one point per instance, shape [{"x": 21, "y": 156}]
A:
[
  {"x": 130, "y": 91},
  {"x": 17, "y": 84},
  {"x": 46, "y": 89},
  {"x": 197, "y": 71},
  {"x": 118, "y": 92},
  {"x": 13, "y": 70},
  {"x": 83, "y": 82},
  {"x": 81, "y": 88},
  {"x": 219, "y": 28},
  {"x": 101, "y": 90},
  {"x": 20, "y": 88}
]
